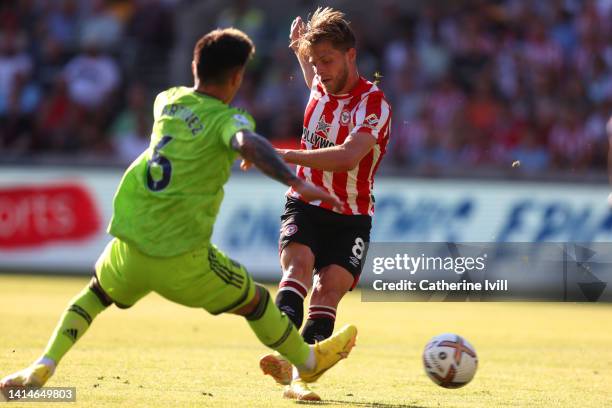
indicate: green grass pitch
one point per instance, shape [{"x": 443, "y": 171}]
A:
[{"x": 159, "y": 354}]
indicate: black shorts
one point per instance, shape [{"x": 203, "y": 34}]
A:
[{"x": 333, "y": 238}]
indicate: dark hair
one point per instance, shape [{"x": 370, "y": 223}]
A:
[
  {"x": 218, "y": 52},
  {"x": 327, "y": 24}
]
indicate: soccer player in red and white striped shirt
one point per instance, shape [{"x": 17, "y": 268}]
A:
[{"x": 344, "y": 138}]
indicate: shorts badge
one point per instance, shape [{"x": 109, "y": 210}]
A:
[{"x": 290, "y": 230}]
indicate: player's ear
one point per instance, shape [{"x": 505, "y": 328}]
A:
[
  {"x": 236, "y": 76},
  {"x": 352, "y": 54},
  {"x": 194, "y": 69}
]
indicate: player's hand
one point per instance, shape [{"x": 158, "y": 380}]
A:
[
  {"x": 282, "y": 153},
  {"x": 297, "y": 29},
  {"x": 245, "y": 165},
  {"x": 310, "y": 192},
  {"x": 286, "y": 155}
]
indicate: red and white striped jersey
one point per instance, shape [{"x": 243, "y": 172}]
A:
[{"x": 328, "y": 121}]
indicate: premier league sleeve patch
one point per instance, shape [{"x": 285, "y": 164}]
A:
[{"x": 371, "y": 120}]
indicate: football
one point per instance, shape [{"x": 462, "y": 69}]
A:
[{"x": 450, "y": 361}]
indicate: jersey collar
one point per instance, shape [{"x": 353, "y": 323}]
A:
[
  {"x": 200, "y": 94},
  {"x": 358, "y": 89}
]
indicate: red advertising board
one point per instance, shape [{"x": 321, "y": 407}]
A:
[{"x": 37, "y": 215}]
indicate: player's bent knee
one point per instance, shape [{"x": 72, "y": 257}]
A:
[
  {"x": 297, "y": 253},
  {"x": 299, "y": 271},
  {"x": 105, "y": 299},
  {"x": 96, "y": 288},
  {"x": 263, "y": 299},
  {"x": 256, "y": 306},
  {"x": 335, "y": 278},
  {"x": 297, "y": 263},
  {"x": 327, "y": 297},
  {"x": 330, "y": 286}
]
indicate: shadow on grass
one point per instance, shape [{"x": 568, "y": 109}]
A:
[{"x": 357, "y": 404}]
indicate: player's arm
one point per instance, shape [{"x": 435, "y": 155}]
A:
[
  {"x": 297, "y": 28},
  {"x": 339, "y": 158},
  {"x": 256, "y": 150}
]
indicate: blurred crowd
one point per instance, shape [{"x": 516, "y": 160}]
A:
[
  {"x": 473, "y": 84},
  {"x": 503, "y": 81},
  {"x": 74, "y": 75}
]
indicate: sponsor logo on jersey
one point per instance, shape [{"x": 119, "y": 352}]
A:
[
  {"x": 290, "y": 230},
  {"x": 315, "y": 140},
  {"x": 354, "y": 261}
]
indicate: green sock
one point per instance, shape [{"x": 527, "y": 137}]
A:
[
  {"x": 73, "y": 324},
  {"x": 274, "y": 329}
]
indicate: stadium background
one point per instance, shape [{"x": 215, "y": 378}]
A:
[{"x": 474, "y": 85}]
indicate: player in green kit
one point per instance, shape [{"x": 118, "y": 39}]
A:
[{"x": 164, "y": 212}]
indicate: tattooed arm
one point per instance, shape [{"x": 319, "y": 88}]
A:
[{"x": 255, "y": 149}]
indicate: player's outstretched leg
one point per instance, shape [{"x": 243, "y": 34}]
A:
[
  {"x": 290, "y": 300},
  {"x": 328, "y": 353},
  {"x": 275, "y": 330},
  {"x": 72, "y": 325},
  {"x": 297, "y": 261},
  {"x": 331, "y": 284},
  {"x": 319, "y": 326}
]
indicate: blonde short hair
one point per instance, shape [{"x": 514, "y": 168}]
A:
[{"x": 326, "y": 24}]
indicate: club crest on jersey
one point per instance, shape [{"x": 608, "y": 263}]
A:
[
  {"x": 345, "y": 117},
  {"x": 290, "y": 230}
]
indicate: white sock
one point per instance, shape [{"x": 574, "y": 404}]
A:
[
  {"x": 48, "y": 362},
  {"x": 309, "y": 364},
  {"x": 296, "y": 374}
]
